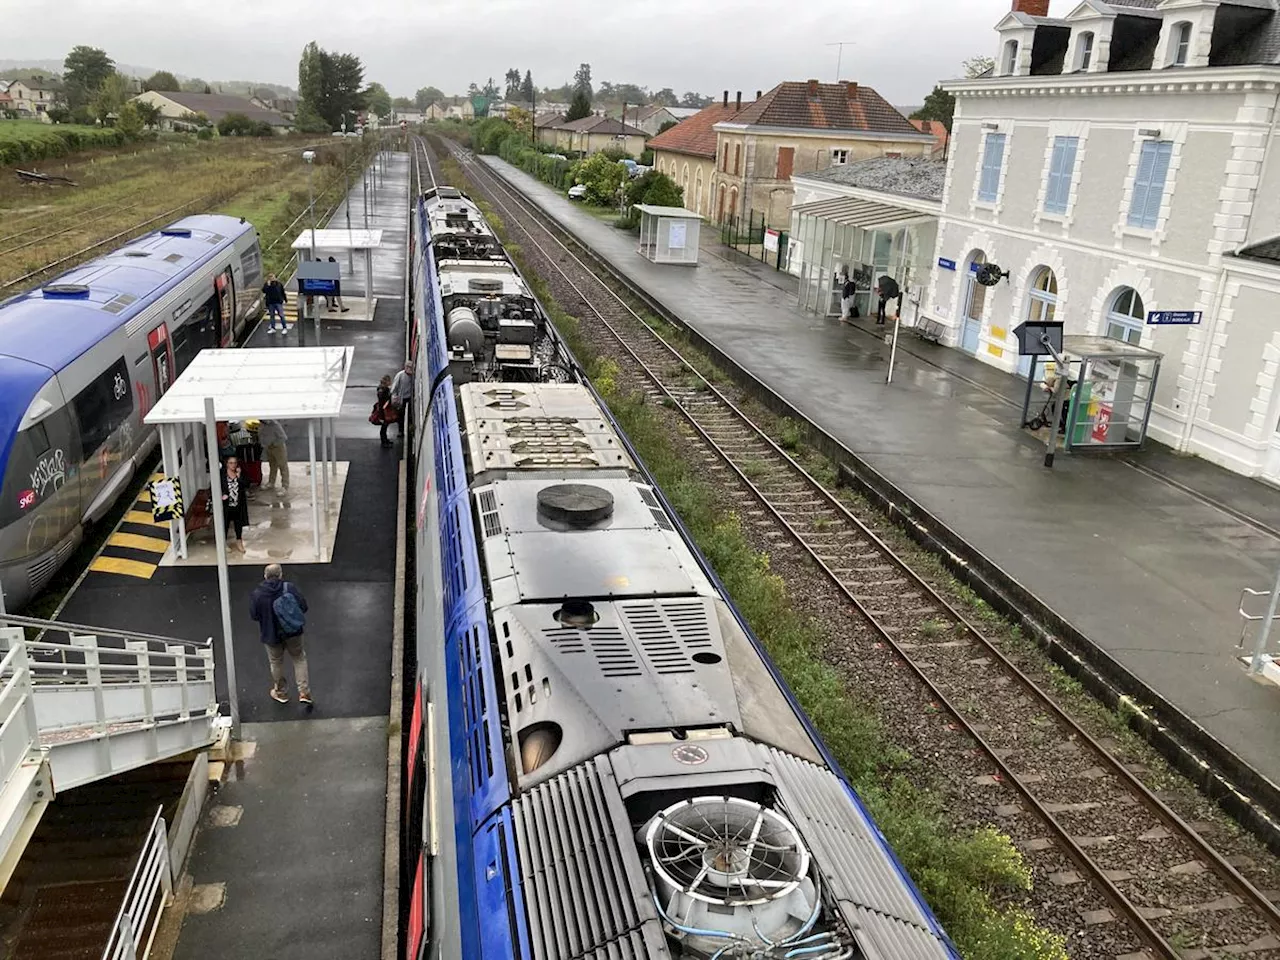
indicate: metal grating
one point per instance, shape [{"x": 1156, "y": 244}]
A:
[
  {"x": 660, "y": 518},
  {"x": 173, "y": 258},
  {"x": 613, "y": 653},
  {"x": 489, "y": 519},
  {"x": 583, "y": 885},
  {"x": 669, "y": 633}
]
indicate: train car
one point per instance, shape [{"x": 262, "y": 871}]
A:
[
  {"x": 602, "y": 761},
  {"x": 82, "y": 360}
]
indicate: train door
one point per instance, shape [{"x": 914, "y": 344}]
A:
[
  {"x": 225, "y": 284},
  {"x": 161, "y": 349}
]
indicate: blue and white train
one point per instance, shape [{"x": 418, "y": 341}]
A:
[
  {"x": 602, "y": 762},
  {"x": 82, "y": 360}
]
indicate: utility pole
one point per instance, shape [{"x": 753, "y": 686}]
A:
[
  {"x": 840, "y": 45},
  {"x": 346, "y": 196}
]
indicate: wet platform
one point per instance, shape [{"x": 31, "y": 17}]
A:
[
  {"x": 1144, "y": 555},
  {"x": 300, "y": 873}
]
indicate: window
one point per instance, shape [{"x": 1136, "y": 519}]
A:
[
  {"x": 1086, "y": 50},
  {"x": 102, "y": 406},
  {"x": 1058, "y": 190},
  {"x": 1180, "y": 44},
  {"x": 786, "y": 162},
  {"x": 724, "y": 158},
  {"x": 1011, "y": 58},
  {"x": 1126, "y": 317},
  {"x": 737, "y": 159},
  {"x": 251, "y": 264},
  {"x": 1044, "y": 296},
  {"x": 1148, "y": 185},
  {"x": 992, "y": 161},
  {"x": 839, "y": 157}
]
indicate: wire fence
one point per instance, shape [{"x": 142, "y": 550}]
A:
[{"x": 751, "y": 234}]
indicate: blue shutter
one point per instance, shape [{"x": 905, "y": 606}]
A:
[
  {"x": 1061, "y": 167},
  {"x": 1159, "y": 174},
  {"x": 1142, "y": 185},
  {"x": 992, "y": 161}
]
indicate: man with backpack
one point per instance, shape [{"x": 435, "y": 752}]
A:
[{"x": 280, "y": 610}]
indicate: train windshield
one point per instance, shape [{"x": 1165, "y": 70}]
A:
[{"x": 39, "y": 464}]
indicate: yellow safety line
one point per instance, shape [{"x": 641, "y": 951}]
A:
[
  {"x": 137, "y": 541},
  {"x": 128, "y": 568},
  {"x": 144, "y": 517}
]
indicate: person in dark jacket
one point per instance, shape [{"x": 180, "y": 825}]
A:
[
  {"x": 848, "y": 299},
  {"x": 335, "y": 302},
  {"x": 384, "y": 411},
  {"x": 262, "y": 609},
  {"x": 275, "y": 297},
  {"x": 235, "y": 499},
  {"x": 887, "y": 289}
]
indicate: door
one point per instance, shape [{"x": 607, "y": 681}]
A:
[
  {"x": 225, "y": 284},
  {"x": 161, "y": 358},
  {"x": 975, "y": 300}
]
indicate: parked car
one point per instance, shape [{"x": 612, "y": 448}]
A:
[{"x": 578, "y": 191}]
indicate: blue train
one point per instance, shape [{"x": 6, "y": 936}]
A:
[
  {"x": 82, "y": 360},
  {"x": 602, "y": 762}
]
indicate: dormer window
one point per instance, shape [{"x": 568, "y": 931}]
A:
[
  {"x": 1011, "y": 58},
  {"x": 1180, "y": 44},
  {"x": 1086, "y": 51}
]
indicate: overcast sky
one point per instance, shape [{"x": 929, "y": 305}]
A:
[{"x": 901, "y": 47}]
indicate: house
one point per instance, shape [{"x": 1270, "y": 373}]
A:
[
  {"x": 545, "y": 124},
  {"x": 33, "y": 97},
  {"x": 593, "y": 134},
  {"x": 687, "y": 154},
  {"x": 799, "y": 127},
  {"x": 6, "y": 101},
  {"x": 1121, "y": 164},
  {"x": 408, "y": 116},
  {"x": 649, "y": 118},
  {"x": 938, "y": 130},
  {"x": 285, "y": 106},
  {"x": 434, "y": 111},
  {"x": 174, "y": 106},
  {"x": 462, "y": 110}
]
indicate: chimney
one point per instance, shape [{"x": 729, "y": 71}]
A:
[
  {"x": 1032, "y": 8},
  {"x": 851, "y": 90},
  {"x": 726, "y": 99},
  {"x": 813, "y": 89},
  {"x": 759, "y": 94},
  {"x": 738, "y": 104}
]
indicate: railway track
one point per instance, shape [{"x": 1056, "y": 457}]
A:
[{"x": 1150, "y": 870}]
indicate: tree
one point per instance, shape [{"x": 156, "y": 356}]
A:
[
  {"x": 579, "y": 107},
  {"x": 426, "y": 96},
  {"x": 111, "y": 95},
  {"x": 668, "y": 125},
  {"x": 667, "y": 97},
  {"x": 401, "y": 103},
  {"x": 977, "y": 66},
  {"x": 513, "y": 84},
  {"x": 83, "y": 72},
  {"x": 162, "y": 80},
  {"x": 582, "y": 82},
  {"x": 129, "y": 122},
  {"x": 194, "y": 85},
  {"x": 238, "y": 125},
  {"x": 377, "y": 100},
  {"x": 148, "y": 112},
  {"x": 654, "y": 188},
  {"x": 602, "y": 177},
  {"x": 329, "y": 89},
  {"x": 528, "y": 93},
  {"x": 490, "y": 91},
  {"x": 691, "y": 99},
  {"x": 940, "y": 106}
]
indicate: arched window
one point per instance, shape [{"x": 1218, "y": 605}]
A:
[
  {"x": 1126, "y": 316},
  {"x": 732, "y": 209},
  {"x": 1085, "y": 56},
  {"x": 1043, "y": 302},
  {"x": 697, "y": 195},
  {"x": 1180, "y": 44},
  {"x": 1011, "y": 58}
]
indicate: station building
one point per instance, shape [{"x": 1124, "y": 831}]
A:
[{"x": 1121, "y": 165}]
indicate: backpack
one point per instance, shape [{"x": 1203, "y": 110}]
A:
[{"x": 290, "y": 620}]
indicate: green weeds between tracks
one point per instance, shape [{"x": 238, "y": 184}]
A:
[{"x": 969, "y": 877}]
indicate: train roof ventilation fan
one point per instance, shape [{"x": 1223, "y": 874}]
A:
[{"x": 731, "y": 879}]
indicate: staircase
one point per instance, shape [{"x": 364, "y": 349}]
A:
[{"x": 81, "y": 704}]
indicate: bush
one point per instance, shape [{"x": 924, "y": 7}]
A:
[
  {"x": 601, "y": 176},
  {"x": 490, "y": 133},
  {"x": 22, "y": 141},
  {"x": 237, "y": 125},
  {"x": 204, "y": 133},
  {"x": 646, "y": 158},
  {"x": 656, "y": 189}
]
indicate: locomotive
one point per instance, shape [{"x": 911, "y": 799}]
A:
[{"x": 601, "y": 759}]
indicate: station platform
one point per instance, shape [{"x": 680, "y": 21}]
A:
[
  {"x": 289, "y": 861},
  {"x": 1144, "y": 555}
]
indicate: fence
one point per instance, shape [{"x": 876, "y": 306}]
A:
[
  {"x": 149, "y": 891},
  {"x": 751, "y": 235}
]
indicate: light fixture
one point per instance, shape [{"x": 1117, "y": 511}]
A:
[
  {"x": 1153, "y": 134},
  {"x": 991, "y": 126}
]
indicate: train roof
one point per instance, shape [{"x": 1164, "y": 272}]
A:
[{"x": 51, "y": 329}]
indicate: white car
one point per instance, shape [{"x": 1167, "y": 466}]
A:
[{"x": 578, "y": 191}]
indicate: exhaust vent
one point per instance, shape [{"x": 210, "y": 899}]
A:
[
  {"x": 577, "y": 504},
  {"x": 484, "y": 285},
  {"x": 66, "y": 291}
]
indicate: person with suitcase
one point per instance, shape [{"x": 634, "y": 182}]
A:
[{"x": 279, "y": 608}]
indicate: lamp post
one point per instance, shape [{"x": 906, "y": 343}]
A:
[
  {"x": 346, "y": 196},
  {"x": 309, "y": 156}
]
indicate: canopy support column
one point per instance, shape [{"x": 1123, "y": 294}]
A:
[
  {"x": 368, "y": 283},
  {"x": 315, "y": 498},
  {"x": 224, "y": 582},
  {"x": 325, "y": 427}
]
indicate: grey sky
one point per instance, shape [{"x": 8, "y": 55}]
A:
[{"x": 901, "y": 46}]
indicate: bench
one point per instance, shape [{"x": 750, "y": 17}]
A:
[{"x": 930, "y": 330}]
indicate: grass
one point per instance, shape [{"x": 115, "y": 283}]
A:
[
  {"x": 968, "y": 877},
  {"x": 24, "y": 141}
]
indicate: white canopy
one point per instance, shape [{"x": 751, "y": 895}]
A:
[
  {"x": 294, "y": 383},
  {"x": 338, "y": 239}
]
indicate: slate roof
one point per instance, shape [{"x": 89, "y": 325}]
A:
[
  {"x": 696, "y": 136},
  {"x": 826, "y": 106},
  {"x": 1268, "y": 251},
  {"x": 605, "y": 125},
  {"x": 906, "y": 176},
  {"x": 215, "y": 106},
  {"x": 548, "y": 120},
  {"x": 39, "y": 83}
]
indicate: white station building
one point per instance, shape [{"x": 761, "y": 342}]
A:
[{"x": 1121, "y": 164}]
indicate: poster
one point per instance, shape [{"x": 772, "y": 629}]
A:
[
  {"x": 676, "y": 235},
  {"x": 771, "y": 241},
  {"x": 166, "y": 499}
]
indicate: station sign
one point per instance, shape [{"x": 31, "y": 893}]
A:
[
  {"x": 1174, "y": 318},
  {"x": 946, "y": 264},
  {"x": 771, "y": 240},
  {"x": 318, "y": 277}
]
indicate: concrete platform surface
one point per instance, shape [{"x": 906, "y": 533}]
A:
[{"x": 1144, "y": 555}]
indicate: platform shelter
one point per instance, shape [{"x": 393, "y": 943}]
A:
[
  {"x": 311, "y": 243},
  {"x": 669, "y": 234}
]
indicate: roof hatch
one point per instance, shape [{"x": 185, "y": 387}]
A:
[
  {"x": 66, "y": 291},
  {"x": 176, "y": 232}
]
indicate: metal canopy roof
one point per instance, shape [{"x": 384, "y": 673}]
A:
[
  {"x": 292, "y": 383},
  {"x": 340, "y": 240},
  {"x": 680, "y": 212},
  {"x": 859, "y": 213}
]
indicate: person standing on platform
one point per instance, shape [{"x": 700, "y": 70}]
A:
[
  {"x": 274, "y": 442},
  {"x": 384, "y": 414},
  {"x": 848, "y": 293},
  {"x": 335, "y": 302},
  {"x": 280, "y": 609},
  {"x": 235, "y": 499},
  {"x": 886, "y": 290},
  {"x": 402, "y": 393},
  {"x": 275, "y": 297}
]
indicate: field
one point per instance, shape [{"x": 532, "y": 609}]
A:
[
  {"x": 125, "y": 192},
  {"x": 25, "y": 141}
]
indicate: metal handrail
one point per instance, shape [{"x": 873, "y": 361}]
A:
[
  {"x": 65, "y": 627},
  {"x": 140, "y": 911},
  {"x": 17, "y": 706}
]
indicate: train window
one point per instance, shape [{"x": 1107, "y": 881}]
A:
[
  {"x": 103, "y": 406},
  {"x": 38, "y": 438},
  {"x": 36, "y": 469},
  {"x": 251, "y": 264}
]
